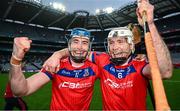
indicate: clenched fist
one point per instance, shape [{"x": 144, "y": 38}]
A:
[
  {"x": 21, "y": 46},
  {"x": 144, "y": 5}
]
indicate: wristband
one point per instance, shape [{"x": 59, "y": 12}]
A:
[
  {"x": 15, "y": 61},
  {"x": 16, "y": 57}
]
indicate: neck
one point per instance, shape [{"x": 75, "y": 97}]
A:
[{"x": 74, "y": 64}]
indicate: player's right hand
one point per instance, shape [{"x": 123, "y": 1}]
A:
[
  {"x": 144, "y": 5},
  {"x": 52, "y": 63},
  {"x": 21, "y": 46}
]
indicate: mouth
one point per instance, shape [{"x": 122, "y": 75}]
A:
[
  {"x": 79, "y": 53},
  {"x": 119, "y": 54}
]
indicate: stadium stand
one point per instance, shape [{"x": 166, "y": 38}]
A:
[
  {"x": 47, "y": 27},
  {"x": 35, "y": 33}
]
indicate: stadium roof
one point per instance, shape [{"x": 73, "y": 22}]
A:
[{"x": 34, "y": 12}]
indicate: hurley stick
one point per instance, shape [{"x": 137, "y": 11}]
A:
[{"x": 161, "y": 102}]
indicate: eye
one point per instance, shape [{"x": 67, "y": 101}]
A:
[
  {"x": 120, "y": 41},
  {"x": 85, "y": 42},
  {"x": 75, "y": 41},
  {"x": 110, "y": 42}
]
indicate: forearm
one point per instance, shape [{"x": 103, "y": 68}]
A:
[
  {"x": 23, "y": 87},
  {"x": 61, "y": 53},
  {"x": 17, "y": 81},
  {"x": 163, "y": 55}
]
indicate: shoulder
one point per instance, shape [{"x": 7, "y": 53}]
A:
[
  {"x": 97, "y": 53},
  {"x": 140, "y": 61},
  {"x": 64, "y": 60},
  {"x": 91, "y": 65},
  {"x": 140, "y": 57},
  {"x": 101, "y": 55},
  {"x": 100, "y": 58}
]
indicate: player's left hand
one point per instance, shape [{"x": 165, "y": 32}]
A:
[{"x": 144, "y": 5}]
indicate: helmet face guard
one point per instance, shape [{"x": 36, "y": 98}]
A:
[
  {"x": 79, "y": 33},
  {"x": 119, "y": 32}
]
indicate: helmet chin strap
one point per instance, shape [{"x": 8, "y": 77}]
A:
[
  {"x": 78, "y": 59},
  {"x": 119, "y": 61}
]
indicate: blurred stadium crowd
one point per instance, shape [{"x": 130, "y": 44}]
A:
[{"x": 33, "y": 63}]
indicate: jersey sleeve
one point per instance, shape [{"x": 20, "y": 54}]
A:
[
  {"x": 49, "y": 74},
  {"x": 100, "y": 58},
  {"x": 95, "y": 57}
]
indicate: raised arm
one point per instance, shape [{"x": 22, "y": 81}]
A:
[
  {"x": 19, "y": 84},
  {"x": 163, "y": 55}
]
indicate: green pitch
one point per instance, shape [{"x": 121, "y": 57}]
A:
[{"x": 41, "y": 99}]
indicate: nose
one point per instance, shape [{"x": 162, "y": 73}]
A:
[
  {"x": 79, "y": 45},
  {"x": 115, "y": 46}
]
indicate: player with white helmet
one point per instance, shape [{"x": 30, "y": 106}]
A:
[{"x": 123, "y": 33}]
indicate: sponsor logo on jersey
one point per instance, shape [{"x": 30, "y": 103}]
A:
[
  {"x": 121, "y": 72},
  {"x": 73, "y": 85},
  {"x": 123, "y": 85}
]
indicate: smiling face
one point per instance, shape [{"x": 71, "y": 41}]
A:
[
  {"x": 119, "y": 47},
  {"x": 79, "y": 46}
]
